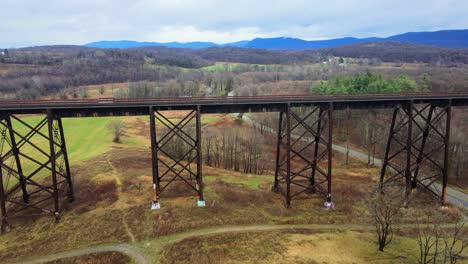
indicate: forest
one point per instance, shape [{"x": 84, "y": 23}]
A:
[{"x": 30, "y": 73}]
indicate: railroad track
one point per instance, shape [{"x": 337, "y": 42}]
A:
[{"x": 244, "y": 99}]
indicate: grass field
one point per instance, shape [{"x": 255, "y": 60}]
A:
[
  {"x": 85, "y": 138},
  {"x": 288, "y": 246}
]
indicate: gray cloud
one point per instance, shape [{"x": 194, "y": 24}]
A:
[{"x": 33, "y": 22}]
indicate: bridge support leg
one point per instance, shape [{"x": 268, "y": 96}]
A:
[
  {"x": 387, "y": 148},
  {"x": 53, "y": 164},
  {"x": 180, "y": 144},
  {"x": 201, "y": 199},
  {"x": 306, "y": 166},
  {"x": 316, "y": 149},
  {"x": 154, "y": 161},
  {"x": 445, "y": 170},
  {"x": 70, "y": 193},
  {"x": 35, "y": 193},
  {"x": 422, "y": 161},
  {"x": 409, "y": 152},
  {"x": 278, "y": 152},
  {"x": 4, "y": 224},
  {"x": 15, "y": 150}
]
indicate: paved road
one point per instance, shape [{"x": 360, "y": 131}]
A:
[{"x": 454, "y": 196}]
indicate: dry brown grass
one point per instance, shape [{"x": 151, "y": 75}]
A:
[
  {"x": 96, "y": 258},
  {"x": 116, "y": 187},
  {"x": 287, "y": 246}
]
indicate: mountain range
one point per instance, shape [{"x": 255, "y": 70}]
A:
[{"x": 442, "y": 38}]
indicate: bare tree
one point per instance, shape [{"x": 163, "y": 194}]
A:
[
  {"x": 455, "y": 242},
  {"x": 429, "y": 238},
  {"x": 116, "y": 127},
  {"x": 385, "y": 210}
]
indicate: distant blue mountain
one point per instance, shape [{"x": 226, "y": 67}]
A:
[
  {"x": 125, "y": 44},
  {"x": 299, "y": 44},
  {"x": 443, "y": 38}
]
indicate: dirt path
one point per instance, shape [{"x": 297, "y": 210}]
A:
[
  {"x": 131, "y": 251},
  {"x": 148, "y": 251},
  {"x": 124, "y": 220},
  {"x": 138, "y": 255}
]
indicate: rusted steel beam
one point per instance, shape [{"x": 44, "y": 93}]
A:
[
  {"x": 278, "y": 153},
  {"x": 177, "y": 169},
  {"x": 154, "y": 159},
  {"x": 4, "y": 224},
  {"x": 288, "y": 155},
  {"x": 199, "y": 157},
  {"x": 304, "y": 138},
  {"x": 15, "y": 150},
  {"x": 330, "y": 150},
  {"x": 387, "y": 148},
  {"x": 422, "y": 151},
  {"x": 35, "y": 193},
  {"x": 448, "y": 110},
  {"x": 53, "y": 163},
  {"x": 68, "y": 176},
  {"x": 409, "y": 148},
  {"x": 316, "y": 149},
  {"x": 425, "y": 135}
]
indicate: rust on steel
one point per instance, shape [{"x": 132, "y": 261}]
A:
[
  {"x": 418, "y": 141},
  {"x": 408, "y": 155},
  {"x": 25, "y": 192}
]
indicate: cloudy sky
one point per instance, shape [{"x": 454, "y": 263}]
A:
[{"x": 41, "y": 22}]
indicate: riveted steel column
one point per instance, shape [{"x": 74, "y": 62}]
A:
[
  {"x": 387, "y": 148},
  {"x": 446, "y": 152},
  {"x": 409, "y": 149},
  {"x": 4, "y": 224},
  {"x": 425, "y": 135},
  {"x": 330, "y": 149},
  {"x": 199, "y": 154},
  {"x": 71, "y": 195},
  {"x": 288, "y": 155},
  {"x": 154, "y": 156},
  {"x": 15, "y": 149},
  {"x": 278, "y": 150},
  {"x": 316, "y": 148},
  {"x": 53, "y": 161}
]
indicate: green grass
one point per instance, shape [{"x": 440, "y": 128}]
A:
[
  {"x": 205, "y": 119},
  {"x": 86, "y": 138},
  {"x": 229, "y": 66},
  {"x": 251, "y": 181},
  {"x": 233, "y": 66}
]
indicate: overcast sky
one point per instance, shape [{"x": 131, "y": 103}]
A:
[{"x": 41, "y": 22}]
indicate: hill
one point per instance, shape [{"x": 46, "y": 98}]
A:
[
  {"x": 299, "y": 44},
  {"x": 390, "y": 51},
  {"x": 443, "y": 38},
  {"x": 124, "y": 44}
]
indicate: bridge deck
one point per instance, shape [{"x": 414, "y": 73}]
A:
[{"x": 115, "y": 107}]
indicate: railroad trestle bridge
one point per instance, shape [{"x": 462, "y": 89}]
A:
[{"x": 417, "y": 119}]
